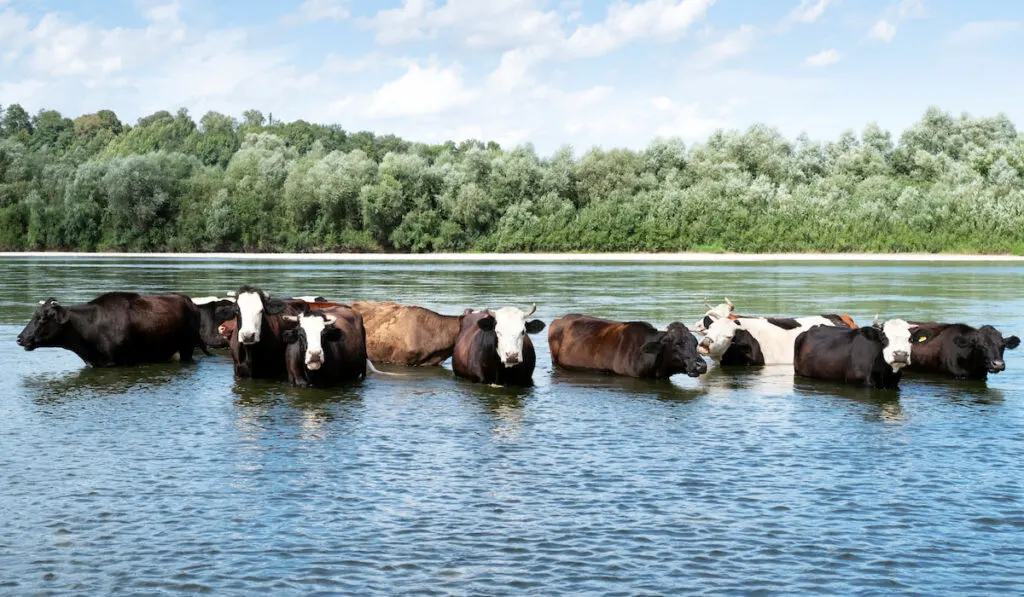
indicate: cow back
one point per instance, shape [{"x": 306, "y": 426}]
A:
[{"x": 407, "y": 334}]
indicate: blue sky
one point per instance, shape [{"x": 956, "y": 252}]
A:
[{"x": 549, "y": 72}]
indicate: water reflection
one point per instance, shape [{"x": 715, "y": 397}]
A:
[
  {"x": 665, "y": 390},
  {"x": 881, "y": 405},
  {"x": 93, "y": 383}
]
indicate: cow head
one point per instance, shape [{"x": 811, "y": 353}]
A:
[
  {"x": 896, "y": 343},
  {"x": 718, "y": 338},
  {"x": 249, "y": 308},
  {"x": 313, "y": 329},
  {"x": 45, "y": 326},
  {"x": 678, "y": 350},
  {"x": 987, "y": 346},
  {"x": 713, "y": 314},
  {"x": 510, "y": 326}
]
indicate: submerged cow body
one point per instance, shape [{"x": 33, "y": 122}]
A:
[
  {"x": 493, "y": 347},
  {"x": 257, "y": 348},
  {"x": 406, "y": 334},
  {"x": 958, "y": 350},
  {"x": 866, "y": 356},
  {"x": 325, "y": 347},
  {"x": 633, "y": 349},
  {"x": 756, "y": 341},
  {"x": 118, "y": 328}
]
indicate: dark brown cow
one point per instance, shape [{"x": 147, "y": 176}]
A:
[
  {"x": 406, "y": 334},
  {"x": 118, "y": 328},
  {"x": 634, "y": 348},
  {"x": 325, "y": 348},
  {"x": 958, "y": 350},
  {"x": 493, "y": 347},
  {"x": 868, "y": 356},
  {"x": 257, "y": 348}
]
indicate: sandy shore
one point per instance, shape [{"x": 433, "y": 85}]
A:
[{"x": 542, "y": 257}]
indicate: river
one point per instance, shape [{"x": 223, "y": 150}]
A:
[{"x": 178, "y": 479}]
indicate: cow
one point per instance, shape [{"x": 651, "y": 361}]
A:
[
  {"x": 958, "y": 350},
  {"x": 209, "y": 327},
  {"x": 118, "y": 329},
  {"x": 494, "y": 346},
  {"x": 300, "y": 303},
  {"x": 406, "y": 334},
  {"x": 725, "y": 311},
  {"x": 756, "y": 341},
  {"x": 257, "y": 348},
  {"x": 632, "y": 349},
  {"x": 866, "y": 356},
  {"x": 325, "y": 348}
]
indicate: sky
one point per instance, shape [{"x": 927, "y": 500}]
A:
[{"x": 582, "y": 73}]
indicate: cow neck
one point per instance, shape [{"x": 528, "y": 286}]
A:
[
  {"x": 449, "y": 327},
  {"x": 73, "y": 334}
]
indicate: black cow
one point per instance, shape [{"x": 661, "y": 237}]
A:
[
  {"x": 633, "y": 349},
  {"x": 493, "y": 347},
  {"x": 865, "y": 356},
  {"x": 209, "y": 324},
  {"x": 118, "y": 328},
  {"x": 325, "y": 348},
  {"x": 958, "y": 350},
  {"x": 257, "y": 348}
]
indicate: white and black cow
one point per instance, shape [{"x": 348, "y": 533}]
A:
[
  {"x": 256, "y": 345},
  {"x": 325, "y": 347},
  {"x": 754, "y": 341},
  {"x": 865, "y": 356}
]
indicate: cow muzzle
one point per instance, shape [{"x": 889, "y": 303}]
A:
[
  {"x": 511, "y": 360},
  {"x": 314, "y": 361},
  {"x": 997, "y": 366},
  {"x": 697, "y": 369},
  {"x": 704, "y": 348},
  {"x": 26, "y": 344},
  {"x": 901, "y": 358},
  {"x": 247, "y": 338}
]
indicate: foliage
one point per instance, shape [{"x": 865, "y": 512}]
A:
[{"x": 169, "y": 183}]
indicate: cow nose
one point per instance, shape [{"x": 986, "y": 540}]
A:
[
  {"x": 512, "y": 359},
  {"x": 21, "y": 341},
  {"x": 999, "y": 365},
  {"x": 248, "y": 338},
  {"x": 901, "y": 357},
  {"x": 699, "y": 368}
]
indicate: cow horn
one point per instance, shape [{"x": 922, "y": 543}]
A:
[
  {"x": 707, "y": 304},
  {"x": 532, "y": 311},
  {"x": 291, "y": 318},
  {"x": 874, "y": 323},
  {"x": 42, "y": 303},
  {"x": 231, "y": 293},
  {"x": 330, "y": 319},
  {"x": 732, "y": 307}
]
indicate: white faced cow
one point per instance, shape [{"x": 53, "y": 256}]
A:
[{"x": 493, "y": 346}]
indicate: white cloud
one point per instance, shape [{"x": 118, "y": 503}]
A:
[
  {"x": 808, "y": 11},
  {"x": 163, "y": 12},
  {"x": 625, "y": 23},
  {"x": 419, "y": 92},
  {"x": 733, "y": 44},
  {"x": 473, "y": 23},
  {"x": 978, "y": 32},
  {"x": 684, "y": 120},
  {"x": 883, "y": 31},
  {"x": 823, "y": 58},
  {"x": 312, "y": 11}
]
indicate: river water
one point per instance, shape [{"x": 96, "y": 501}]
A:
[{"x": 178, "y": 479}]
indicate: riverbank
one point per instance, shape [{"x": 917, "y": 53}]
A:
[{"x": 542, "y": 257}]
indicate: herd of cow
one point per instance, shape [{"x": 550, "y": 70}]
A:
[{"x": 314, "y": 342}]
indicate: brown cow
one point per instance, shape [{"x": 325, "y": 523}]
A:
[
  {"x": 326, "y": 348},
  {"x": 406, "y": 334},
  {"x": 633, "y": 349},
  {"x": 257, "y": 348},
  {"x": 493, "y": 347},
  {"x": 226, "y": 328}
]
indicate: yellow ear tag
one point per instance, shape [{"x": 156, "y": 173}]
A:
[{"x": 922, "y": 338}]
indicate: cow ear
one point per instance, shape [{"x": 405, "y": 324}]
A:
[
  {"x": 290, "y": 336},
  {"x": 920, "y": 336},
  {"x": 486, "y": 324},
  {"x": 535, "y": 326},
  {"x": 61, "y": 314},
  {"x": 1011, "y": 342},
  {"x": 871, "y": 333},
  {"x": 652, "y": 347},
  {"x": 333, "y": 334},
  {"x": 222, "y": 314},
  {"x": 963, "y": 341},
  {"x": 274, "y": 306}
]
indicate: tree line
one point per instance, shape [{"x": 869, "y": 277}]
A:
[{"x": 168, "y": 183}]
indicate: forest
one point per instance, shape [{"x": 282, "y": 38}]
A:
[{"x": 254, "y": 184}]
